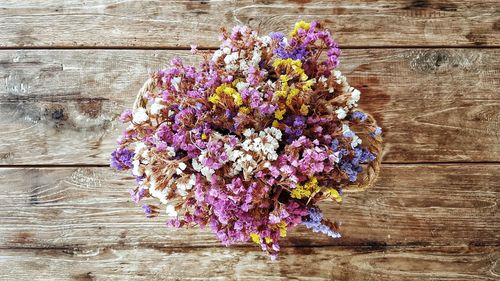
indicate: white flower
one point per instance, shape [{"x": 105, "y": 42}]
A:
[
  {"x": 231, "y": 58},
  {"x": 183, "y": 187},
  {"x": 156, "y": 107},
  {"x": 207, "y": 172},
  {"x": 182, "y": 166},
  {"x": 355, "y": 141},
  {"x": 266, "y": 40},
  {"x": 355, "y": 95},
  {"x": 275, "y": 132},
  {"x": 175, "y": 82},
  {"x": 226, "y": 50},
  {"x": 341, "y": 113},
  {"x": 346, "y": 129},
  {"x": 337, "y": 75},
  {"x": 256, "y": 56},
  {"x": 196, "y": 165},
  {"x": 159, "y": 194},
  {"x": 234, "y": 154},
  {"x": 148, "y": 170},
  {"x": 243, "y": 65},
  {"x": 152, "y": 182},
  {"x": 130, "y": 127},
  {"x": 140, "y": 148},
  {"x": 248, "y": 132},
  {"x": 241, "y": 86},
  {"x": 192, "y": 181},
  {"x": 137, "y": 168},
  {"x": 217, "y": 54},
  {"x": 170, "y": 151},
  {"x": 140, "y": 116},
  {"x": 170, "y": 209}
]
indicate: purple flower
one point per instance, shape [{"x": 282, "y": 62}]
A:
[
  {"x": 121, "y": 158},
  {"x": 137, "y": 195},
  {"x": 351, "y": 170},
  {"x": 277, "y": 35},
  {"x": 126, "y": 116},
  {"x": 335, "y": 144},
  {"x": 376, "y": 132},
  {"x": 358, "y": 115},
  {"x": 147, "y": 209},
  {"x": 314, "y": 222}
]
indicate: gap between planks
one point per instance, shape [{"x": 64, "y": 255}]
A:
[
  {"x": 63, "y": 166},
  {"x": 204, "y": 48},
  {"x": 377, "y": 246}
]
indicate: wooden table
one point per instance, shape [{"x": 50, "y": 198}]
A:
[{"x": 428, "y": 70}]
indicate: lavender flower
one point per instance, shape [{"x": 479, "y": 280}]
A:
[
  {"x": 121, "y": 159},
  {"x": 314, "y": 222},
  {"x": 358, "y": 115}
]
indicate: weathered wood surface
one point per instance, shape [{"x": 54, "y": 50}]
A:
[
  {"x": 324, "y": 263},
  {"x": 68, "y": 68},
  {"x": 411, "y": 205},
  {"x": 158, "y": 24},
  {"x": 61, "y": 106}
]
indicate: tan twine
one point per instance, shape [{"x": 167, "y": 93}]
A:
[{"x": 365, "y": 180}]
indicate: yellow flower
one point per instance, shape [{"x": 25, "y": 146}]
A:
[
  {"x": 306, "y": 190},
  {"x": 276, "y": 123},
  {"x": 299, "y": 192},
  {"x": 282, "y": 228},
  {"x": 284, "y": 79},
  {"x": 304, "y": 110},
  {"x": 278, "y": 114},
  {"x": 204, "y": 136},
  {"x": 294, "y": 64},
  {"x": 280, "y": 94},
  {"x": 308, "y": 84},
  {"x": 244, "y": 109},
  {"x": 214, "y": 98},
  {"x": 230, "y": 91},
  {"x": 255, "y": 238},
  {"x": 303, "y": 76},
  {"x": 300, "y": 25},
  {"x": 293, "y": 93},
  {"x": 268, "y": 240},
  {"x": 334, "y": 194},
  {"x": 238, "y": 100}
]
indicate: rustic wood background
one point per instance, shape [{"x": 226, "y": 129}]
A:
[{"x": 429, "y": 71}]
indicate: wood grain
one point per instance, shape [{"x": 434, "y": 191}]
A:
[
  {"x": 61, "y": 106},
  {"x": 410, "y": 205},
  {"x": 68, "y": 68},
  {"x": 325, "y": 263},
  {"x": 165, "y": 24}
]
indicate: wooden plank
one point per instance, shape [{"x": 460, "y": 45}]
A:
[
  {"x": 61, "y": 106},
  {"x": 163, "y": 24},
  {"x": 410, "y": 205},
  {"x": 326, "y": 263}
]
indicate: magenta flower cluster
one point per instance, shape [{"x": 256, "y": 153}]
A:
[{"x": 250, "y": 141}]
